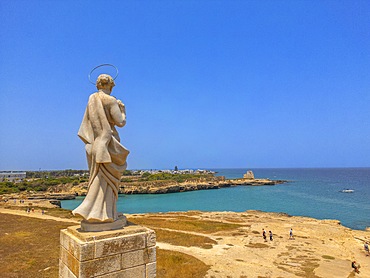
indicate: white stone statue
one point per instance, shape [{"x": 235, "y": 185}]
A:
[{"x": 106, "y": 157}]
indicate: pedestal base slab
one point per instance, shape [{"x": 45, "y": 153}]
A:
[
  {"x": 127, "y": 252},
  {"x": 87, "y": 226}
]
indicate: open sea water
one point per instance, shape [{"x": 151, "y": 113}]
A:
[{"x": 309, "y": 192}]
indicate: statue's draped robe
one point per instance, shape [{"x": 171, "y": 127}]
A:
[{"x": 106, "y": 159}]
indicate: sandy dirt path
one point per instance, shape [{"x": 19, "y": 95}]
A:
[{"x": 37, "y": 214}]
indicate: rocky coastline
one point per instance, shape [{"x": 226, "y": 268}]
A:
[
  {"x": 27, "y": 200},
  {"x": 163, "y": 187},
  {"x": 70, "y": 191},
  {"x": 132, "y": 185}
]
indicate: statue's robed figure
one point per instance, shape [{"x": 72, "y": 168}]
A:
[{"x": 106, "y": 156}]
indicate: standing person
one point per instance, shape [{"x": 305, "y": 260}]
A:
[
  {"x": 106, "y": 156},
  {"x": 291, "y": 234},
  {"x": 271, "y": 239},
  {"x": 264, "y": 234},
  {"x": 366, "y": 247}
]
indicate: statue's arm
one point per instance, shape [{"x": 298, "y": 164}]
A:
[{"x": 118, "y": 113}]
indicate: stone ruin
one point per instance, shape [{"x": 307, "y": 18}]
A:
[{"x": 248, "y": 175}]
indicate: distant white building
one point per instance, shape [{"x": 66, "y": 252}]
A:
[{"x": 12, "y": 175}]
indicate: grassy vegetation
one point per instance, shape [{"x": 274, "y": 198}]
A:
[
  {"x": 235, "y": 220},
  {"x": 29, "y": 246},
  {"x": 172, "y": 264},
  {"x": 185, "y": 224},
  {"x": 55, "y": 174},
  {"x": 8, "y": 187},
  {"x": 308, "y": 267},
  {"x": 184, "y": 239},
  {"x": 174, "y": 177},
  {"x": 258, "y": 245},
  {"x": 57, "y": 212},
  {"x": 40, "y": 184},
  {"x": 130, "y": 177},
  {"x": 42, "y": 180},
  {"x": 327, "y": 257}
]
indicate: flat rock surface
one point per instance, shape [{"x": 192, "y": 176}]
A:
[{"x": 320, "y": 248}]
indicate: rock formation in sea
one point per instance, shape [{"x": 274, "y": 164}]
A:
[{"x": 249, "y": 175}]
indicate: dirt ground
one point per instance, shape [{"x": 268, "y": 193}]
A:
[
  {"x": 320, "y": 248},
  {"x": 29, "y": 247}
]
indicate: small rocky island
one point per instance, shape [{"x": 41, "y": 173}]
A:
[{"x": 45, "y": 192}]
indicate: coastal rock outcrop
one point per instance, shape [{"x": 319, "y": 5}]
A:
[
  {"x": 249, "y": 175},
  {"x": 17, "y": 201}
]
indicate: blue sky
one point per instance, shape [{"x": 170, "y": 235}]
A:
[{"x": 206, "y": 84}]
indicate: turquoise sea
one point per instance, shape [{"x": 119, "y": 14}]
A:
[{"x": 309, "y": 192}]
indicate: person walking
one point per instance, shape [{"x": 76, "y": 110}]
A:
[
  {"x": 366, "y": 247},
  {"x": 270, "y": 233},
  {"x": 291, "y": 234},
  {"x": 264, "y": 234}
]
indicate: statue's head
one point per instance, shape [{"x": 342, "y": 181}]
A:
[{"x": 105, "y": 81}]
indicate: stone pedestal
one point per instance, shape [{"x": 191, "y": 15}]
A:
[
  {"x": 128, "y": 252},
  {"x": 87, "y": 226}
]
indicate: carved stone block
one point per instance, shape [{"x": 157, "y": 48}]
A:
[{"x": 127, "y": 252}]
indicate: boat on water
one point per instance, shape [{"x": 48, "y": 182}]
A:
[{"x": 347, "y": 191}]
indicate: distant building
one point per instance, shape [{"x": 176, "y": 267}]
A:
[{"x": 12, "y": 175}]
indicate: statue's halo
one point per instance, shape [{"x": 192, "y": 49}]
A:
[{"x": 103, "y": 65}]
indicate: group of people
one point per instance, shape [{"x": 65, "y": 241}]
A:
[
  {"x": 21, "y": 201},
  {"x": 28, "y": 210},
  {"x": 264, "y": 235},
  {"x": 355, "y": 266}
]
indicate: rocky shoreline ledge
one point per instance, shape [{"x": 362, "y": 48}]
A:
[
  {"x": 69, "y": 191},
  {"x": 163, "y": 187}
]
